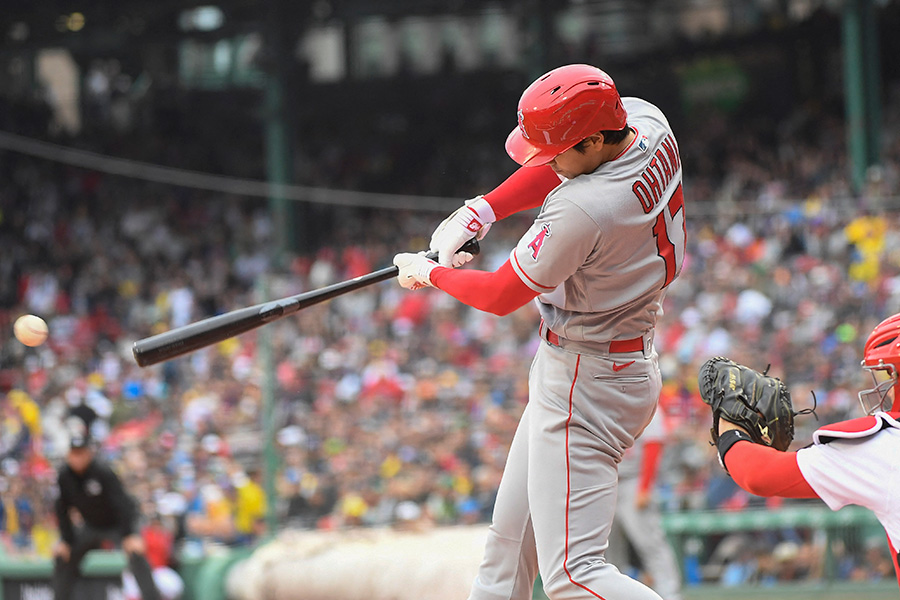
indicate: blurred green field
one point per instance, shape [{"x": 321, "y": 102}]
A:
[{"x": 836, "y": 591}]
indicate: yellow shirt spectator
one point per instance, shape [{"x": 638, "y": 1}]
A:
[
  {"x": 250, "y": 507},
  {"x": 43, "y": 538},
  {"x": 867, "y": 234},
  {"x": 29, "y": 411}
]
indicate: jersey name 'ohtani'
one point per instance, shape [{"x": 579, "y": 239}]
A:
[
  {"x": 658, "y": 174},
  {"x": 606, "y": 245}
]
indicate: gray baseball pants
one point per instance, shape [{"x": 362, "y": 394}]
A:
[{"x": 558, "y": 493}]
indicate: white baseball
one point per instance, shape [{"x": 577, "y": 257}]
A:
[{"x": 31, "y": 330}]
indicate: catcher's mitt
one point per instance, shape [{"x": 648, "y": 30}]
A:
[{"x": 759, "y": 403}]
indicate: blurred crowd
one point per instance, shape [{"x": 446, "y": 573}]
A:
[{"x": 391, "y": 408}]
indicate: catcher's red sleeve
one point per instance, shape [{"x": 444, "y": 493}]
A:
[
  {"x": 500, "y": 292},
  {"x": 524, "y": 189},
  {"x": 765, "y": 471}
]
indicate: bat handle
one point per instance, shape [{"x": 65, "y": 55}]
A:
[{"x": 472, "y": 247}]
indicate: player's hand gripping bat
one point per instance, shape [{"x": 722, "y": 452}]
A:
[{"x": 183, "y": 340}]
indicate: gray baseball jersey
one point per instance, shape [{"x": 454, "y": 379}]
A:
[
  {"x": 601, "y": 252},
  {"x": 605, "y": 245}
]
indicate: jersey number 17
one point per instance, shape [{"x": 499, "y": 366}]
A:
[{"x": 670, "y": 238}]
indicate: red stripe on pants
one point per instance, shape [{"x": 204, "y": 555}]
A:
[{"x": 569, "y": 486}]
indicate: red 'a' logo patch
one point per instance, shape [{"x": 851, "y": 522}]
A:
[{"x": 538, "y": 240}]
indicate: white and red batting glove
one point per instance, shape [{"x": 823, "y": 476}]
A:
[
  {"x": 472, "y": 220},
  {"x": 415, "y": 270}
]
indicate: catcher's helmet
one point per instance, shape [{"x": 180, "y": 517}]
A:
[
  {"x": 561, "y": 108},
  {"x": 881, "y": 357}
]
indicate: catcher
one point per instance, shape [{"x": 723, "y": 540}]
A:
[{"x": 851, "y": 462}]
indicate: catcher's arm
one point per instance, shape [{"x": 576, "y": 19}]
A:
[
  {"x": 763, "y": 470},
  {"x": 728, "y": 425},
  {"x": 727, "y": 435}
]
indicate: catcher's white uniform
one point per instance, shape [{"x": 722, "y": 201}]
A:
[
  {"x": 858, "y": 462},
  {"x": 852, "y": 462}
]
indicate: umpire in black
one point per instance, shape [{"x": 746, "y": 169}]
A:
[{"x": 107, "y": 513}]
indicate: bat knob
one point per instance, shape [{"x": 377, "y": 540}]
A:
[{"x": 472, "y": 247}]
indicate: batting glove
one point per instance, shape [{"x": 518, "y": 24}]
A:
[
  {"x": 472, "y": 220},
  {"x": 415, "y": 270}
]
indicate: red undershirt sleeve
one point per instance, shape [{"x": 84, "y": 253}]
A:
[
  {"x": 500, "y": 292},
  {"x": 764, "y": 471},
  {"x": 526, "y": 188},
  {"x": 649, "y": 462}
]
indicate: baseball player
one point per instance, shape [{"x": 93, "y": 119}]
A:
[
  {"x": 608, "y": 240},
  {"x": 106, "y": 512},
  {"x": 638, "y": 518},
  {"x": 851, "y": 462}
]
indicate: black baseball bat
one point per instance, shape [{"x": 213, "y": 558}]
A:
[{"x": 186, "y": 339}]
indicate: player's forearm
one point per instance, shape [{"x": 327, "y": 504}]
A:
[
  {"x": 525, "y": 189},
  {"x": 500, "y": 292},
  {"x": 764, "y": 471}
]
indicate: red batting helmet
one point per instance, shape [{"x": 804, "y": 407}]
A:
[
  {"x": 562, "y": 108},
  {"x": 881, "y": 356}
]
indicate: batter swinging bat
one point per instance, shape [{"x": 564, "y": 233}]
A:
[{"x": 183, "y": 340}]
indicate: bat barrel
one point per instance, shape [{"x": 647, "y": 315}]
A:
[{"x": 183, "y": 340}]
